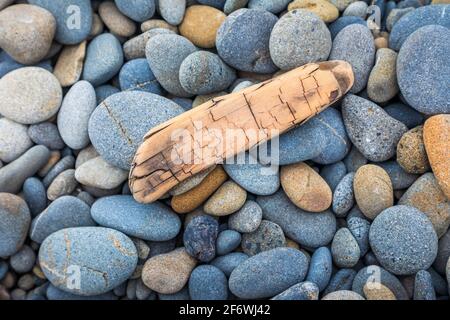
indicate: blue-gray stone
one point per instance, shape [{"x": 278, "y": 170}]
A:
[
  {"x": 322, "y": 139},
  {"x": 405, "y": 114},
  {"x": 355, "y": 45},
  {"x": 300, "y": 291},
  {"x": 15, "y": 220},
  {"x": 443, "y": 253},
  {"x": 243, "y": 40},
  {"x": 333, "y": 173},
  {"x": 24, "y": 260},
  {"x": 268, "y": 273},
  {"x": 298, "y": 38},
  {"x": 200, "y": 236},
  {"x": 161, "y": 247},
  {"x": 117, "y": 125},
  {"x": 253, "y": 176},
  {"x": 104, "y": 58},
  {"x": 343, "y": 197},
  {"x": 68, "y": 162},
  {"x": 233, "y": 5},
  {"x": 227, "y": 241},
  {"x": 341, "y": 280},
  {"x": 14, "y": 174},
  {"x": 354, "y": 160},
  {"x": 376, "y": 274},
  {"x": 137, "y": 75},
  {"x": 269, "y": 235},
  {"x": 73, "y": 18},
  {"x": 165, "y": 53},
  {"x": 103, "y": 258},
  {"x": 345, "y": 249},
  {"x": 359, "y": 227},
  {"x": 423, "y": 286},
  {"x": 308, "y": 229},
  {"x": 3, "y": 269},
  {"x": 274, "y": 6},
  {"x": 138, "y": 10},
  {"x": 342, "y": 22},
  {"x": 46, "y": 134},
  {"x": 64, "y": 212},
  {"x": 247, "y": 219},
  {"x": 208, "y": 283},
  {"x": 371, "y": 129},
  {"x": 395, "y": 15},
  {"x": 403, "y": 240},
  {"x": 185, "y": 103},
  {"x": 439, "y": 283},
  {"x": 424, "y": 74},
  {"x": 196, "y": 65},
  {"x": 409, "y": 3},
  {"x": 53, "y": 293},
  {"x": 172, "y": 11},
  {"x": 153, "y": 221},
  {"x": 8, "y": 64},
  {"x": 229, "y": 262},
  {"x": 213, "y": 3},
  {"x": 427, "y": 15},
  {"x": 35, "y": 195},
  {"x": 104, "y": 91},
  {"x": 399, "y": 177},
  {"x": 320, "y": 268}
]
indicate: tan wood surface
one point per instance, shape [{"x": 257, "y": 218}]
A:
[{"x": 269, "y": 108}]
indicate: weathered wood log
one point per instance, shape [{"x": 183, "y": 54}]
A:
[{"x": 194, "y": 141}]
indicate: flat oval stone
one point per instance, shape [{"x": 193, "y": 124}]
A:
[
  {"x": 117, "y": 23},
  {"x": 135, "y": 47},
  {"x": 373, "y": 190},
  {"x": 247, "y": 219},
  {"x": 423, "y": 286},
  {"x": 293, "y": 44},
  {"x": 208, "y": 283},
  {"x": 46, "y": 134},
  {"x": 370, "y": 128},
  {"x": 253, "y": 176},
  {"x": 426, "y": 195},
  {"x": 15, "y": 218},
  {"x": 410, "y": 22},
  {"x": 13, "y": 175},
  {"x": 411, "y": 154},
  {"x": 14, "y": 140},
  {"x": 165, "y": 53},
  {"x": 432, "y": 72},
  {"x": 103, "y": 257},
  {"x": 64, "y": 212},
  {"x": 73, "y": 117},
  {"x": 229, "y": 262},
  {"x": 23, "y": 261},
  {"x": 98, "y": 173},
  {"x": 153, "y": 221},
  {"x": 268, "y": 273},
  {"x": 324, "y": 9},
  {"x": 268, "y": 236},
  {"x": 200, "y": 25},
  {"x": 320, "y": 268},
  {"x": 382, "y": 83},
  {"x": 343, "y": 196},
  {"x": 243, "y": 40},
  {"x": 355, "y": 45},
  {"x": 227, "y": 241},
  {"x": 345, "y": 249},
  {"x": 116, "y": 132},
  {"x": 28, "y": 32},
  {"x": 196, "y": 65},
  {"x": 168, "y": 273},
  {"x": 191, "y": 182},
  {"x": 35, "y": 195},
  {"x": 69, "y": 66},
  {"x": 29, "y": 95},
  {"x": 63, "y": 184},
  {"x": 305, "y": 187},
  {"x": 229, "y": 198},
  {"x": 436, "y": 133},
  {"x": 300, "y": 291},
  {"x": 138, "y": 10},
  {"x": 104, "y": 58},
  {"x": 200, "y": 236},
  {"x": 311, "y": 230},
  {"x": 136, "y": 75},
  {"x": 403, "y": 240},
  {"x": 73, "y": 19}
]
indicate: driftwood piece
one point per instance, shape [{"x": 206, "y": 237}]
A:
[{"x": 257, "y": 114}]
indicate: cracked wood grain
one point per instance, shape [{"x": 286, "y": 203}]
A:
[{"x": 257, "y": 114}]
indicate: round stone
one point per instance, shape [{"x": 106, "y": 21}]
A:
[
  {"x": 247, "y": 219},
  {"x": 14, "y": 140},
  {"x": 138, "y": 10},
  {"x": 117, "y": 125},
  {"x": 227, "y": 241},
  {"x": 228, "y": 199},
  {"x": 200, "y": 25},
  {"x": 208, "y": 283},
  {"x": 373, "y": 190},
  {"x": 243, "y": 40},
  {"x": 200, "y": 236},
  {"x": 403, "y": 240},
  {"x": 29, "y": 95},
  {"x": 305, "y": 187},
  {"x": 298, "y": 38},
  {"x": 416, "y": 64},
  {"x": 136, "y": 75},
  {"x": 268, "y": 236},
  {"x": 357, "y": 9},
  {"x": 411, "y": 154},
  {"x": 345, "y": 249},
  {"x": 23, "y": 261}
]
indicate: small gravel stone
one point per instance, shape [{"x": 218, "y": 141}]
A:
[
  {"x": 64, "y": 164},
  {"x": 345, "y": 249},
  {"x": 359, "y": 227},
  {"x": 135, "y": 47}
]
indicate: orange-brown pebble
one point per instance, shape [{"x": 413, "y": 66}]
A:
[
  {"x": 381, "y": 42},
  {"x": 411, "y": 154},
  {"x": 200, "y": 25},
  {"x": 195, "y": 197},
  {"x": 305, "y": 187},
  {"x": 436, "y": 136},
  {"x": 377, "y": 291}
]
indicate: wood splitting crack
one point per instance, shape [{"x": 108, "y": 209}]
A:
[{"x": 268, "y": 109}]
